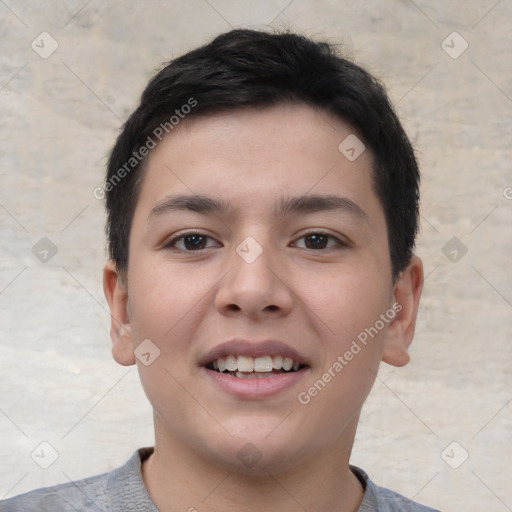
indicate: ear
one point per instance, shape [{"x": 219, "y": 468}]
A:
[
  {"x": 116, "y": 293},
  {"x": 406, "y": 295}
]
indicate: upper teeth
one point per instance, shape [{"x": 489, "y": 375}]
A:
[{"x": 254, "y": 364}]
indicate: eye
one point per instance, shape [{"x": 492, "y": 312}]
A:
[
  {"x": 188, "y": 242},
  {"x": 319, "y": 241}
]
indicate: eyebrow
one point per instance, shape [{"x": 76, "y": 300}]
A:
[
  {"x": 197, "y": 203},
  {"x": 309, "y": 203},
  {"x": 316, "y": 203}
]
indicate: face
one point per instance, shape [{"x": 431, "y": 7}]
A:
[{"x": 260, "y": 249}]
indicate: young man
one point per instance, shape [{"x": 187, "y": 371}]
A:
[{"x": 262, "y": 209}]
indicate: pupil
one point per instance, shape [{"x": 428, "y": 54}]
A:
[
  {"x": 316, "y": 241},
  {"x": 194, "y": 242}
]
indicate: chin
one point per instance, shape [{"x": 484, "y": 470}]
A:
[
  {"x": 250, "y": 460},
  {"x": 260, "y": 452}
]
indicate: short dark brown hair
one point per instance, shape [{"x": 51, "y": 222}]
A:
[{"x": 247, "y": 68}]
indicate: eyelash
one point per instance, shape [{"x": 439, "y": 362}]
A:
[
  {"x": 170, "y": 244},
  {"x": 338, "y": 243}
]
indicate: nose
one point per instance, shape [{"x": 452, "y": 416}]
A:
[{"x": 255, "y": 285}]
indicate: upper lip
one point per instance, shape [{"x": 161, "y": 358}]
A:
[{"x": 244, "y": 347}]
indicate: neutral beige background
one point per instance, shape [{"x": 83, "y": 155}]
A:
[{"x": 59, "y": 117}]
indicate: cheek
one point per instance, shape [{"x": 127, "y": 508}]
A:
[
  {"x": 344, "y": 302},
  {"x": 164, "y": 299},
  {"x": 347, "y": 306},
  {"x": 165, "y": 307}
]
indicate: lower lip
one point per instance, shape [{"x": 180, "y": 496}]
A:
[{"x": 255, "y": 388}]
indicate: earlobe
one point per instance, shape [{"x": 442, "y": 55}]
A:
[
  {"x": 406, "y": 292},
  {"x": 116, "y": 294}
]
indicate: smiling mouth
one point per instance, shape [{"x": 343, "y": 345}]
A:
[{"x": 246, "y": 367}]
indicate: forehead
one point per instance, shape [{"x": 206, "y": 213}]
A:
[{"x": 252, "y": 156}]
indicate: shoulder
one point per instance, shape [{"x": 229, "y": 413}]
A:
[
  {"x": 120, "y": 489},
  {"x": 390, "y": 501},
  {"x": 380, "y": 499},
  {"x": 87, "y": 494}
]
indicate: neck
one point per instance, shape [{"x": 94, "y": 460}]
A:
[{"x": 178, "y": 479}]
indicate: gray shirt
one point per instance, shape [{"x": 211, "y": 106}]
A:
[{"x": 123, "y": 490}]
